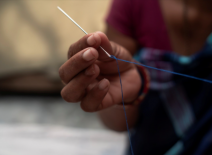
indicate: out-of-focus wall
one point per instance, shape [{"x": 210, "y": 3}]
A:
[{"x": 35, "y": 35}]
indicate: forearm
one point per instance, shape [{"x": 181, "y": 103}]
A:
[{"x": 114, "y": 117}]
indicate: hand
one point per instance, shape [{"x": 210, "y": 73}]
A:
[{"x": 92, "y": 77}]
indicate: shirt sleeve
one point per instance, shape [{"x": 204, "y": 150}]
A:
[{"x": 120, "y": 16}]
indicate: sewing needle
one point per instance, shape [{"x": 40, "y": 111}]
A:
[{"x": 80, "y": 28}]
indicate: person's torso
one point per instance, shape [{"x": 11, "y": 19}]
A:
[{"x": 171, "y": 25}]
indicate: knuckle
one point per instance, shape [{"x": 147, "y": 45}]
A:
[
  {"x": 70, "y": 96},
  {"x": 67, "y": 97},
  {"x": 63, "y": 76},
  {"x": 64, "y": 96}
]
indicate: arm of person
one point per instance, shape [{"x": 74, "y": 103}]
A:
[
  {"x": 92, "y": 78},
  {"x": 114, "y": 118}
]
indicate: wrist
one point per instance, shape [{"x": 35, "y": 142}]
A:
[{"x": 145, "y": 83}]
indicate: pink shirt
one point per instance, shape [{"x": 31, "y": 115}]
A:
[{"x": 142, "y": 20}]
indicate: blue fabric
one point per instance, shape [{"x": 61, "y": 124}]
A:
[
  {"x": 154, "y": 132},
  {"x": 205, "y": 144}
]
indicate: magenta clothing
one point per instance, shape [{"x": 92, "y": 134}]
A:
[
  {"x": 175, "y": 116},
  {"x": 142, "y": 20}
]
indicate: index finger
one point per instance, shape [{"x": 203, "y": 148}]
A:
[
  {"x": 94, "y": 40},
  {"x": 90, "y": 40}
]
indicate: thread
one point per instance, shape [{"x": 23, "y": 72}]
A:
[
  {"x": 113, "y": 57},
  {"x": 118, "y": 71},
  {"x": 163, "y": 70},
  {"x": 180, "y": 74},
  {"x": 123, "y": 104}
]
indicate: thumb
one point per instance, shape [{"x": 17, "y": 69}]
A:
[
  {"x": 105, "y": 45},
  {"x": 112, "y": 49}
]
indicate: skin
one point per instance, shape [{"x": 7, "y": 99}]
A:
[
  {"x": 90, "y": 76},
  {"x": 96, "y": 83},
  {"x": 187, "y": 39}
]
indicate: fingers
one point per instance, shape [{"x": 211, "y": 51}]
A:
[
  {"x": 90, "y": 40},
  {"x": 75, "y": 90},
  {"x": 94, "y": 40},
  {"x": 93, "y": 100},
  {"x": 118, "y": 52},
  {"x": 106, "y": 45},
  {"x": 81, "y": 72},
  {"x": 77, "y": 63}
]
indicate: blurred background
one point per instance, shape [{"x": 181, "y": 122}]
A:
[{"x": 34, "y": 40}]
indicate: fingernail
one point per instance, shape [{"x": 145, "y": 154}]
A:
[
  {"x": 87, "y": 55},
  {"x": 91, "y": 40},
  {"x": 103, "y": 84},
  {"x": 90, "y": 71}
]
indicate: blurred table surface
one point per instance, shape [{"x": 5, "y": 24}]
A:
[{"x": 48, "y": 125}]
